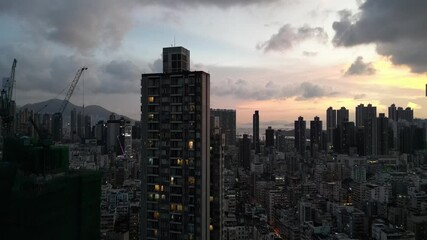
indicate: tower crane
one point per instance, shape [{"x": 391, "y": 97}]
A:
[
  {"x": 57, "y": 117},
  {"x": 7, "y": 105}
]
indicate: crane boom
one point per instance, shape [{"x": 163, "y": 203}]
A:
[
  {"x": 71, "y": 89},
  {"x": 11, "y": 80},
  {"x": 6, "y": 103}
]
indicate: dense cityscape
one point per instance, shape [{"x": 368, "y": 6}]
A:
[
  {"x": 183, "y": 172},
  {"x": 213, "y": 120}
]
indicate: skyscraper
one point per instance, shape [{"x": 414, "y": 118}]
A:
[
  {"x": 331, "y": 123},
  {"x": 216, "y": 182},
  {"x": 227, "y": 123},
  {"x": 255, "y": 129},
  {"x": 382, "y": 134},
  {"x": 315, "y": 135},
  {"x": 175, "y": 165},
  {"x": 245, "y": 152},
  {"x": 342, "y": 115},
  {"x": 345, "y": 136},
  {"x": 366, "y": 124},
  {"x": 300, "y": 135},
  {"x": 363, "y": 113},
  {"x": 269, "y": 137},
  {"x": 406, "y": 114},
  {"x": 392, "y": 112}
]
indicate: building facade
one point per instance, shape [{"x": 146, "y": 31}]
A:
[
  {"x": 227, "y": 123},
  {"x": 255, "y": 129},
  {"x": 175, "y": 167}
]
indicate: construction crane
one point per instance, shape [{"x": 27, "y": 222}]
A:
[
  {"x": 57, "y": 117},
  {"x": 7, "y": 105}
]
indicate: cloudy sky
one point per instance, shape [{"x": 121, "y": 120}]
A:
[{"x": 284, "y": 58}]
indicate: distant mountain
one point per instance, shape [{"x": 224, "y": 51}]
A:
[{"x": 51, "y": 106}]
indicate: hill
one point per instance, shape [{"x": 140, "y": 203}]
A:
[{"x": 51, "y": 106}]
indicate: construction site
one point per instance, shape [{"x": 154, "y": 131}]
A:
[{"x": 42, "y": 198}]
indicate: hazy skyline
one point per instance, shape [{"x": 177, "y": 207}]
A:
[{"x": 284, "y": 58}]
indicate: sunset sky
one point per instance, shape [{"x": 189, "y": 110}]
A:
[{"x": 285, "y": 58}]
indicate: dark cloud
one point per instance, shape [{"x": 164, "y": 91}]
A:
[
  {"x": 359, "y": 96},
  {"x": 118, "y": 77},
  {"x": 216, "y": 3},
  {"x": 44, "y": 71},
  {"x": 122, "y": 70},
  {"x": 287, "y": 37},
  {"x": 396, "y": 27},
  {"x": 85, "y": 25},
  {"x": 51, "y": 75},
  {"x": 243, "y": 89},
  {"x": 79, "y": 24},
  {"x": 358, "y": 67},
  {"x": 309, "y": 90},
  {"x": 309, "y": 54}
]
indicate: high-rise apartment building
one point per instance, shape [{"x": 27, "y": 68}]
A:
[
  {"x": 382, "y": 134},
  {"x": 255, "y": 129},
  {"x": 342, "y": 115},
  {"x": 300, "y": 135},
  {"x": 269, "y": 137},
  {"x": 175, "y": 163},
  {"x": 315, "y": 135},
  {"x": 216, "y": 182},
  {"x": 245, "y": 152},
  {"x": 331, "y": 123},
  {"x": 227, "y": 123},
  {"x": 399, "y": 113},
  {"x": 365, "y": 112},
  {"x": 392, "y": 112}
]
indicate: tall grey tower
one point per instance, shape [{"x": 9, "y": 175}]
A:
[
  {"x": 175, "y": 163},
  {"x": 255, "y": 129}
]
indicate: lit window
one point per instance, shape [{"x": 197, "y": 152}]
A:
[
  {"x": 179, "y": 207},
  {"x": 157, "y": 188},
  {"x": 179, "y": 162},
  {"x": 211, "y": 198},
  {"x": 150, "y": 116},
  {"x": 156, "y": 215},
  {"x": 210, "y": 227},
  {"x": 190, "y": 145},
  {"x": 191, "y": 180},
  {"x": 150, "y": 99},
  {"x": 150, "y": 161}
]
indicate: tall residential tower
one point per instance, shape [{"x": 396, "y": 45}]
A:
[
  {"x": 175, "y": 164},
  {"x": 255, "y": 129}
]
